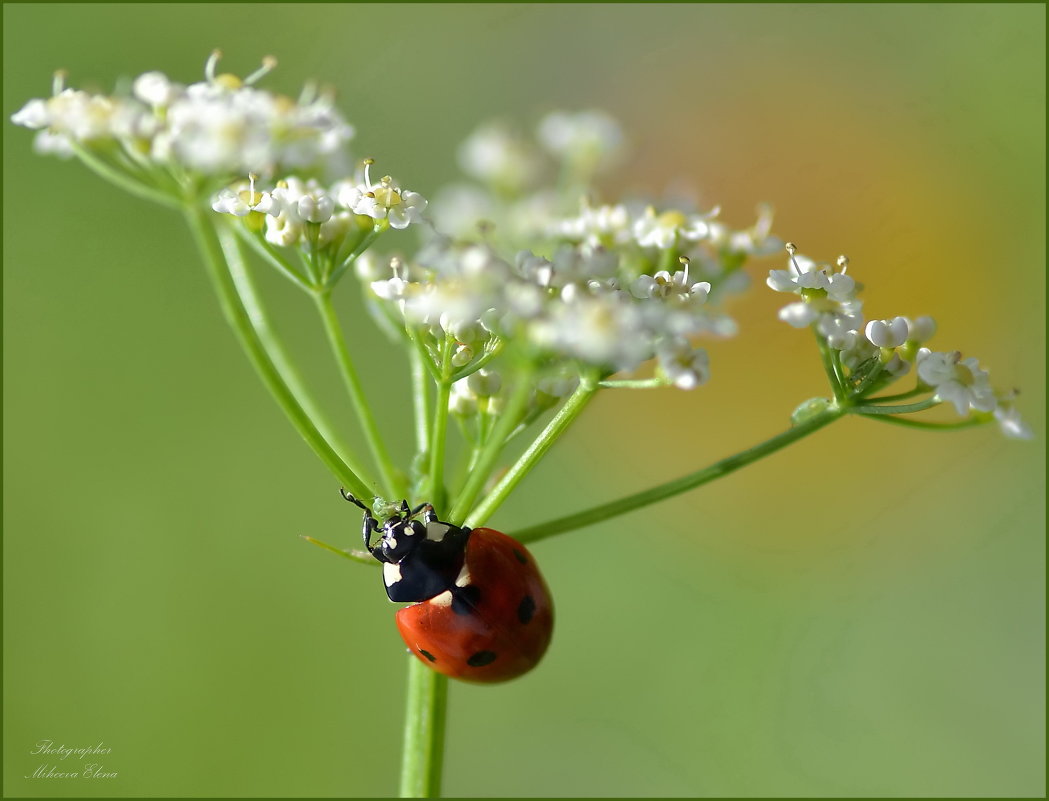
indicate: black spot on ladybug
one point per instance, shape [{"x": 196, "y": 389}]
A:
[
  {"x": 465, "y": 599},
  {"x": 526, "y": 609},
  {"x": 428, "y": 655},
  {"x": 520, "y": 557},
  {"x": 481, "y": 658}
]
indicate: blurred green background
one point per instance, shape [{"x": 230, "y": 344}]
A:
[{"x": 862, "y": 614}]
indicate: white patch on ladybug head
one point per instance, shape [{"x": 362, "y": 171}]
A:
[
  {"x": 463, "y": 578},
  {"x": 391, "y": 573},
  {"x": 391, "y": 541},
  {"x": 444, "y": 599},
  {"x": 436, "y": 530}
]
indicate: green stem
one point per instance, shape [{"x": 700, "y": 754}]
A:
[
  {"x": 427, "y": 696},
  {"x": 633, "y": 383},
  {"x": 354, "y": 556},
  {"x": 508, "y": 420},
  {"x": 898, "y": 397},
  {"x": 926, "y": 425},
  {"x": 124, "y": 181},
  {"x": 274, "y": 257},
  {"x": 240, "y": 322},
  {"x": 528, "y": 460},
  {"x": 271, "y": 341},
  {"x": 355, "y": 389},
  {"x": 365, "y": 243},
  {"x": 908, "y": 408},
  {"x": 416, "y": 339},
  {"x": 839, "y": 371},
  {"x": 470, "y": 447},
  {"x": 424, "y": 722},
  {"x": 311, "y": 253},
  {"x": 668, "y": 259},
  {"x": 420, "y": 400},
  {"x": 439, "y": 431},
  {"x": 830, "y": 367},
  {"x": 427, "y": 693},
  {"x": 476, "y": 442},
  {"x": 663, "y": 491}
]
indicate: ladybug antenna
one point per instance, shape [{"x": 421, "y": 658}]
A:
[{"x": 348, "y": 497}]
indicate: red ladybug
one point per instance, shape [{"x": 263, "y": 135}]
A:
[{"x": 480, "y": 610}]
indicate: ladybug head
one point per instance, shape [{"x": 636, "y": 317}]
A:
[
  {"x": 400, "y": 534},
  {"x": 401, "y": 531}
]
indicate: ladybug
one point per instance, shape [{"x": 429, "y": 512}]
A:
[{"x": 480, "y": 610}]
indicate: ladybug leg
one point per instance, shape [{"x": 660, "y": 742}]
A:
[
  {"x": 369, "y": 524},
  {"x": 348, "y": 497},
  {"x": 430, "y": 516}
]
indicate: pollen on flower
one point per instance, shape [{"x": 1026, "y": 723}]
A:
[
  {"x": 828, "y": 298},
  {"x": 384, "y": 200},
  {"x": 666, "y": 229}
]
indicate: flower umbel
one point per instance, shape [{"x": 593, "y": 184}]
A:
[
  {"x": 327, "y": 228},
  {"x": 170, "y": 136},
  {"x": 861, "y": 363}
]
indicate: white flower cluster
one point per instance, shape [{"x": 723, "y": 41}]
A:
[
  {"x": 497, "y": 155},
  {"x": 582, "y": 305},
  {"x": 222, "y": 126},
  {"x": 593, "y": 290},
  {"x": 345, "y": 207},
  {"x": 510, "y": 170},
  {"x": 622, "y": 224},
  {"x": 511, "y": 203},
  {"x": 591, "y": 138},
  {"x": 828, "y": 299},
  {"x": 891, "y": 346},
  {"x": 645, "y": 239}
]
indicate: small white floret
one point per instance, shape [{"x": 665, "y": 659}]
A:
[{"x": 887, "y": 333}]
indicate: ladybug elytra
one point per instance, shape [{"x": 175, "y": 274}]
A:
[{"x": 479, "y": 608}]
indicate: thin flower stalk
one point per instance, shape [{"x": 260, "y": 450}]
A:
[
  {"x": 240, "y": 322},
  {"x": 557, "y": 426},
  {"x": 669, "y": 489},
  {"x": 272, "y": 344},
  {"x": 391, "y": 482}
]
